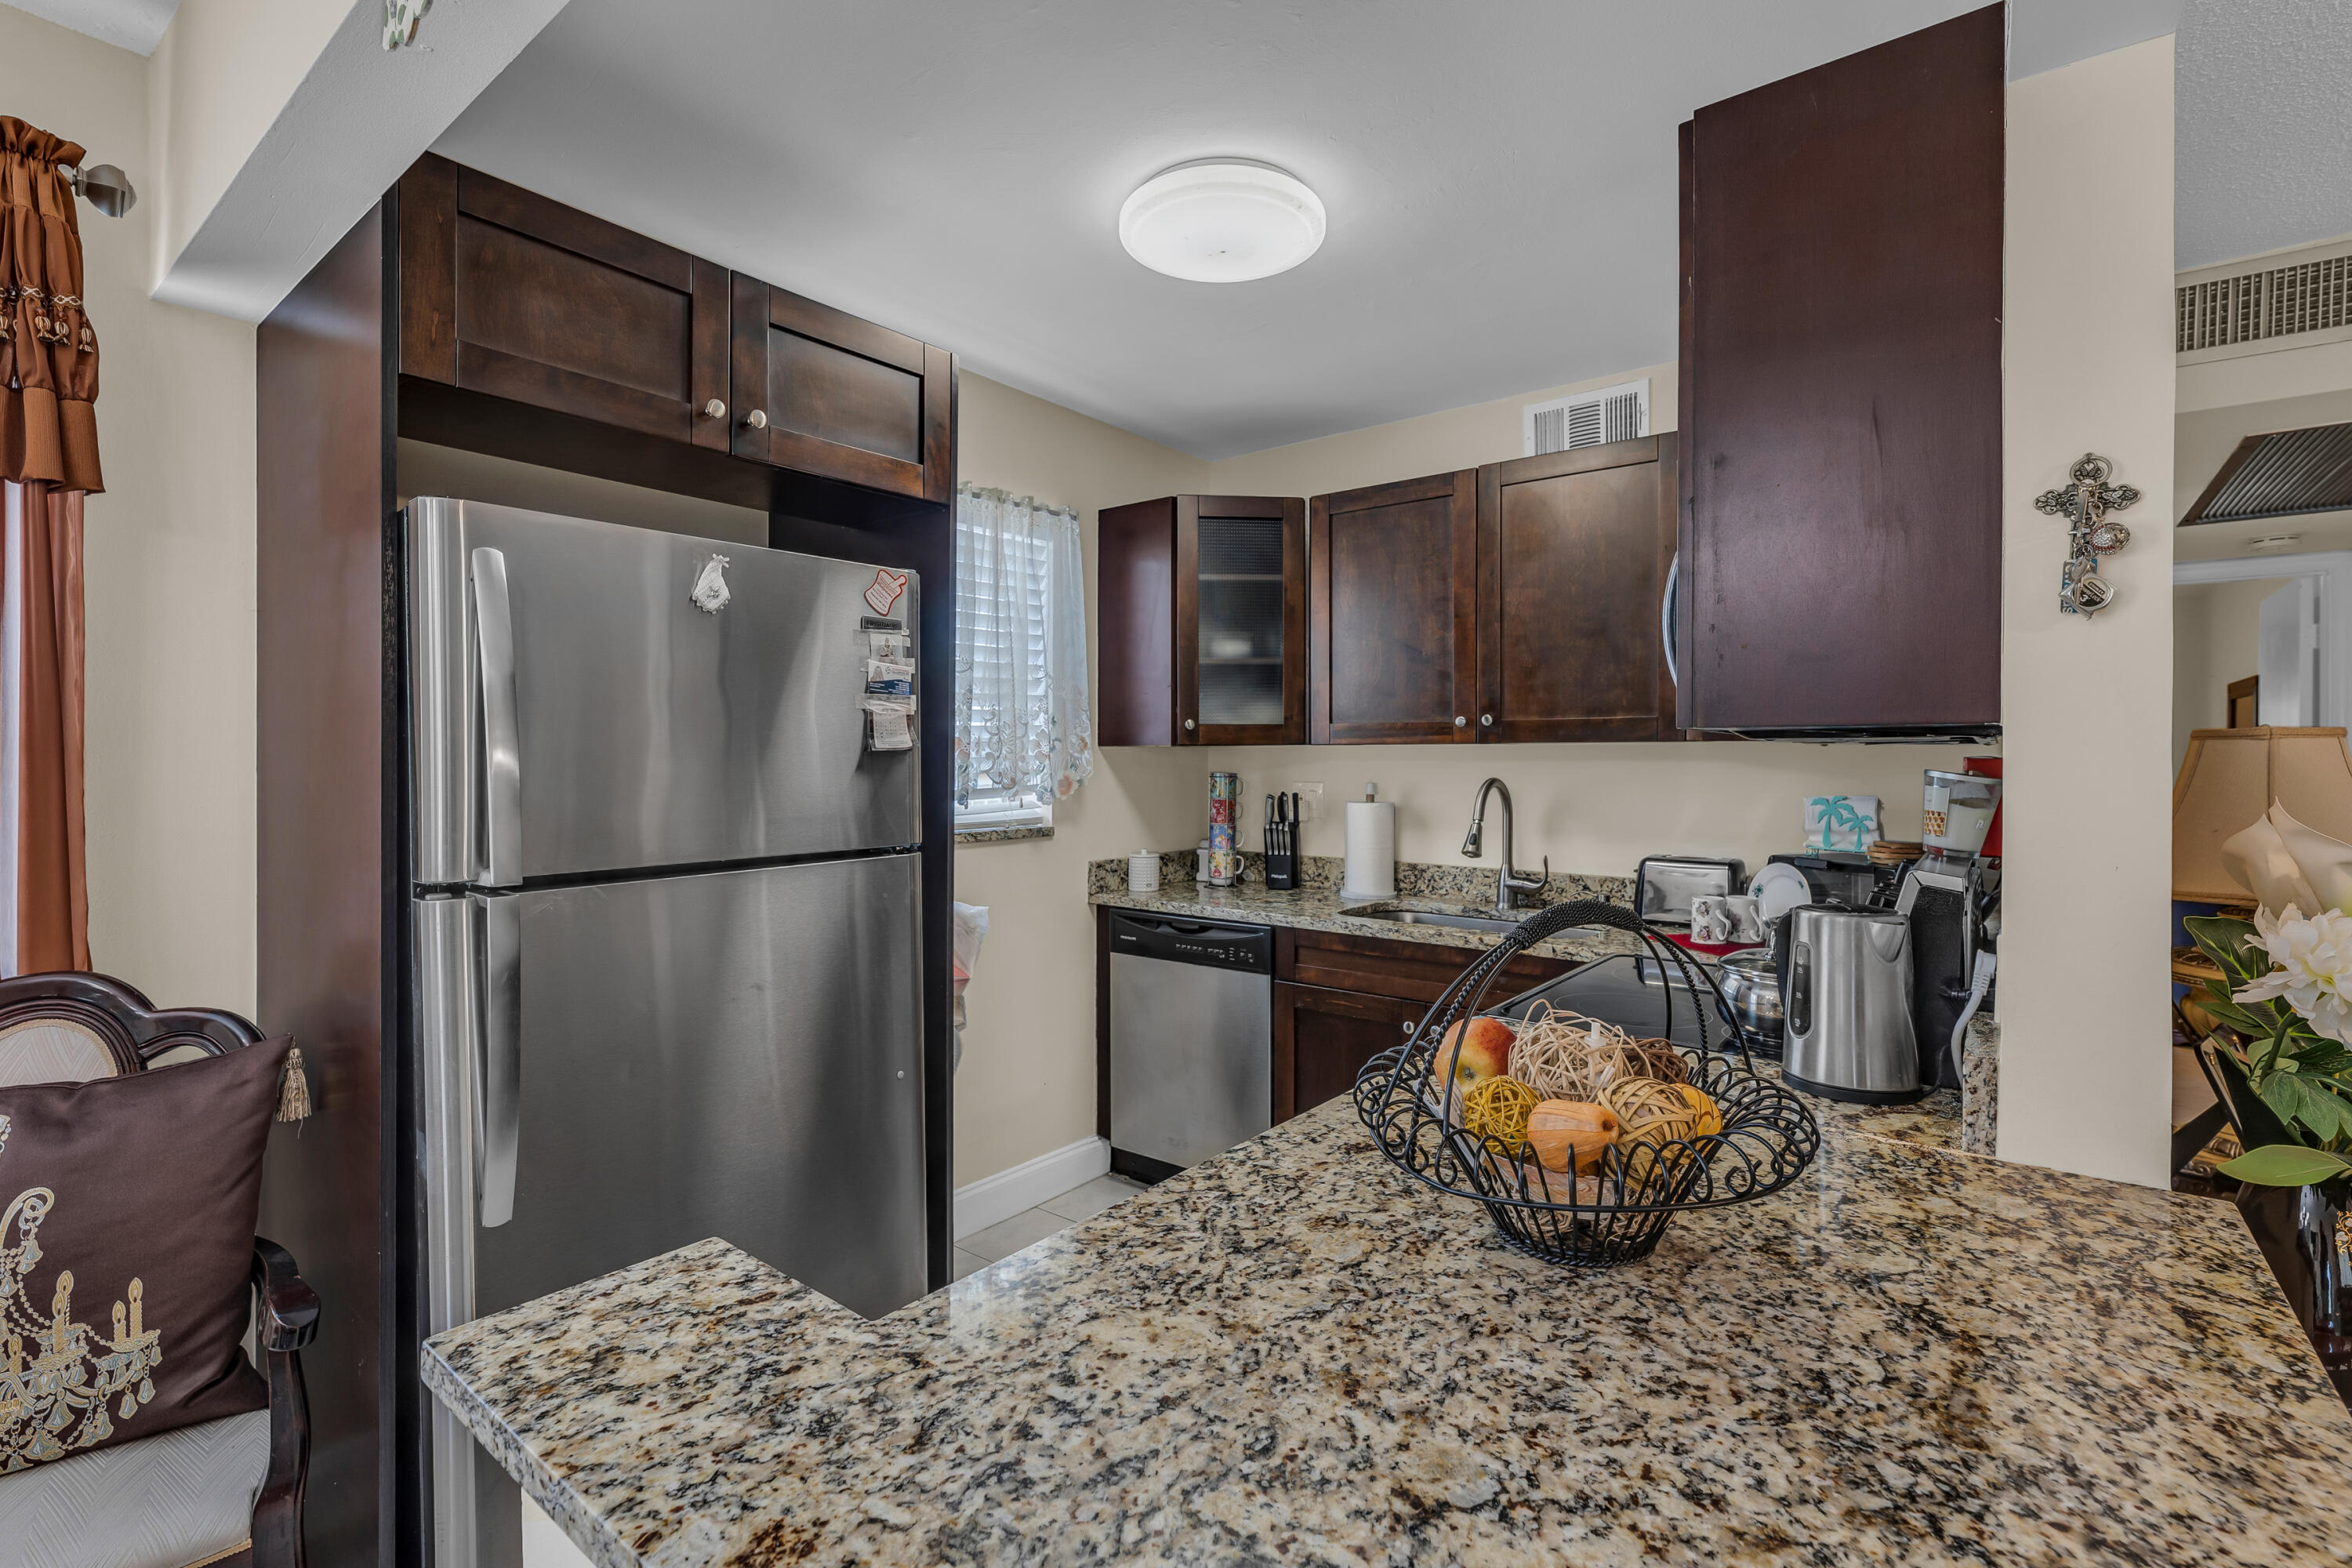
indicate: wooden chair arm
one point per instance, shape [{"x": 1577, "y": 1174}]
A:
[{"x": 290, "y": 1308}]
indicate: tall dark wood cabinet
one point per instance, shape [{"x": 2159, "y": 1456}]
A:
[
  {"x": 1392, "y": 611},
  {"x": 465, "y": 312},
  {"x": 1202, "y": 602},
  {"x": 1840, "y": 395},
  {"x": 1574, "y": 549}
]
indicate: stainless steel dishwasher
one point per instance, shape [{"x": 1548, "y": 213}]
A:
[{"x": 1192, "y": 1040}]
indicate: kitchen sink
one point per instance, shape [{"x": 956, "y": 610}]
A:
[
  {"x": 1404, "y": 914},
  {"x": 1459, "y": 919}
]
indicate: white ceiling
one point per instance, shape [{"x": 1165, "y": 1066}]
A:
[
  {"x": 1500, "y": 178},
  {"x": 2263, "y": 126},
  {"x": 134, "y": 24}
]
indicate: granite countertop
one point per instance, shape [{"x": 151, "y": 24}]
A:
[
  {"x": 1316, "y": 903},
  {"x": 1293, "y": 1353}
]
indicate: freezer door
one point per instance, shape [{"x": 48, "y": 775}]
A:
[
  {"x": 589, "y": 698},
  {"x": 735, "y": 1054},
  {"x": 628, "y": 1067}
]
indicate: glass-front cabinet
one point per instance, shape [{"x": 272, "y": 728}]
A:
[{"x": 1203, "y": 622}]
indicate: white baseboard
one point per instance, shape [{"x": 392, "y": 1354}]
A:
[{"x": 999, "y": 1197}]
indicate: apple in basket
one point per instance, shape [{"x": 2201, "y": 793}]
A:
[{"x": 1486, "y": 1050}]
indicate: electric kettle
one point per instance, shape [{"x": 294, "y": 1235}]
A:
[{"x": 1846, "y": 999}]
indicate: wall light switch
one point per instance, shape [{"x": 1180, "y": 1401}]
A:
[{"x": 1311, "y": 799}]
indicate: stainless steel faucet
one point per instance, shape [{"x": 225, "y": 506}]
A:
[{"x": 1511, "y": 885}]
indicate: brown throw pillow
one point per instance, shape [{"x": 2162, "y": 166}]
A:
[{"x": 124, "y": 1248}]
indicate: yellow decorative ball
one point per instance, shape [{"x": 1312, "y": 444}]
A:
[{"x": 1497, "y": 1108}]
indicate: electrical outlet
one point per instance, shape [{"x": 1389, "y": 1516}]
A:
[{"x": 1311, "y": 799}]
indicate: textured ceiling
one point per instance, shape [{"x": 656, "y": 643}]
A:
[
  {"x": 2264, "y": 134},
  {"x": 1500, "y": 178},
  {"x": 134, "y": 24}
]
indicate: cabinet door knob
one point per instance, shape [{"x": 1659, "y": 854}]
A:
[
  {"x": 714, "y": 409},
  {"x": 1487, "y": 719},
  {"x": 1188, "y": 723},
  {"x": 1406, "y": 1025},
  {"x": 1460, "y": 722},
  {"x": 756, "y": 420}
]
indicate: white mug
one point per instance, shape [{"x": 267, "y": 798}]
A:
[{"x": 1725, "y": 918}]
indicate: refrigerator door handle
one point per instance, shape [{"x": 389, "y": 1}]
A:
[
  {"x": 502, "y": 744},
  {"x": 499, "y": 1129}
]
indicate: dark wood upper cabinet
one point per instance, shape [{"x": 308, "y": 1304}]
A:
[
  {"x": 1392, "y": 611},
  {"x": 506, "y": 292},
  {"x": 819, "y": 390},
  {"x": 1574, "y": 549},
  {"x": 1201, "y": 602},
  {"x": 1841, "y": 387}
]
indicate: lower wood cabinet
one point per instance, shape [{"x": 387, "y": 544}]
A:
[
  {"x": 1339, "y": 1000},
  {"x": 1323, "y": 1038}
]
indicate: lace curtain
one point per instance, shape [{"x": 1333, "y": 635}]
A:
[{"x": 1023, "y": 723}]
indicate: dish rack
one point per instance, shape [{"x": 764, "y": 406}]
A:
[{"x": 1616, "y": 1213}]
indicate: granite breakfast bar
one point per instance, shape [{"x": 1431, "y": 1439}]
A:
[{"x": 1293, "y": 1353}]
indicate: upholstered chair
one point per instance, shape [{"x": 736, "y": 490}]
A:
[{"x": 226, "y": 1492}]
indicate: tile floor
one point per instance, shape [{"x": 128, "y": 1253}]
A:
[{"x": 1005, "y": 1238}]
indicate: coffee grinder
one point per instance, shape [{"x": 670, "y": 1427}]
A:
[{"x": 1951, "y": 897}]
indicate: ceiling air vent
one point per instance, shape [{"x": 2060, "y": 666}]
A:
[
  {"x": 2308, "y": 297},
  {"x": 2284, "y": 473},
  {"x": 1587, "y": 419}
]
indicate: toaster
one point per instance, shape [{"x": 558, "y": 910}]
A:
[{"x": 1665, "y": 885}]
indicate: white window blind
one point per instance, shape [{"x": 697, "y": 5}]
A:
[{"x": 1024, "y": 737}]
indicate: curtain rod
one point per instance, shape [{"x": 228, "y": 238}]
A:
[{"x": 103, "y": 187}]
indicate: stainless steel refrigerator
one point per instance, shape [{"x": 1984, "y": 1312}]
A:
[{"x": 665, "y": 905}]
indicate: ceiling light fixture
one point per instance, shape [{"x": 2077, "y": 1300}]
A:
[
  {"x": 2275, "y": 541},
  {"x": 1222, "y": 220}
]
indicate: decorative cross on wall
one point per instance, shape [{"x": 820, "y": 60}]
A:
[{"x": 2084, "y": 504}]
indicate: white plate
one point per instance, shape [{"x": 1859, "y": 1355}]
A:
[{"x": 1779, "y": 887}]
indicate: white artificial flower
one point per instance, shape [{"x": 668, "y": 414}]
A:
[{"x": 2315, "y": 967}]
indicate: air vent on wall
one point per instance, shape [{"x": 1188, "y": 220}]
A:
[
  {"x": 1587, "y": 419},
  {"x": 2308, "y": 297},
  {"x": 2287, "y": 473}
]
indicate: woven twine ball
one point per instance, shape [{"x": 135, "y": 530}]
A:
[
  {"x": 1563, "y": 1055},
  {"x": 1656, "y": 1114},
  {"x": 1497, "y": 1108}
]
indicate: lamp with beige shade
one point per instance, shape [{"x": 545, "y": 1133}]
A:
[{"x": 2229, "y": 780}]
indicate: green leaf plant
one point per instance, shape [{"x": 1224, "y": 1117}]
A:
[{"x": 2305, "y": 1078}]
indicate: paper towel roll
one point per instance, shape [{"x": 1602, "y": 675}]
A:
[{"x": 1371, "y": 850}]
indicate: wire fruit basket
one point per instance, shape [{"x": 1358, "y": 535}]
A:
[{"x": 1616, "y": 1211}]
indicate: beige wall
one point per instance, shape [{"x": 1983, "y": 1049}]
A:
[
  {"x": 1027, "y": 1083},
  {"x": 2216, "y": 628},
  {"x": 2086, "y": 706},
  {"x": 170, "y": 569}
]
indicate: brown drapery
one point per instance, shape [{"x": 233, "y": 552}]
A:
[
  {"x": 48, "y": 353},
  {"x": 52, "y": 889},
  {"x": 48, "y": 447}
]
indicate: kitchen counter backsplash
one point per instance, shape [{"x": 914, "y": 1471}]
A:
[{"x": 1469, "y": 885}]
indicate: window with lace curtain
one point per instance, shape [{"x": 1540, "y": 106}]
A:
[{"x": 1024, "y": 736}]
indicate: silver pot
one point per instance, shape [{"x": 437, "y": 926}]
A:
[{"x": 1752, "y": 992}]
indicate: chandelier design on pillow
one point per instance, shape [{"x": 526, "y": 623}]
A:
[{"x": 58, "y": 1371}]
